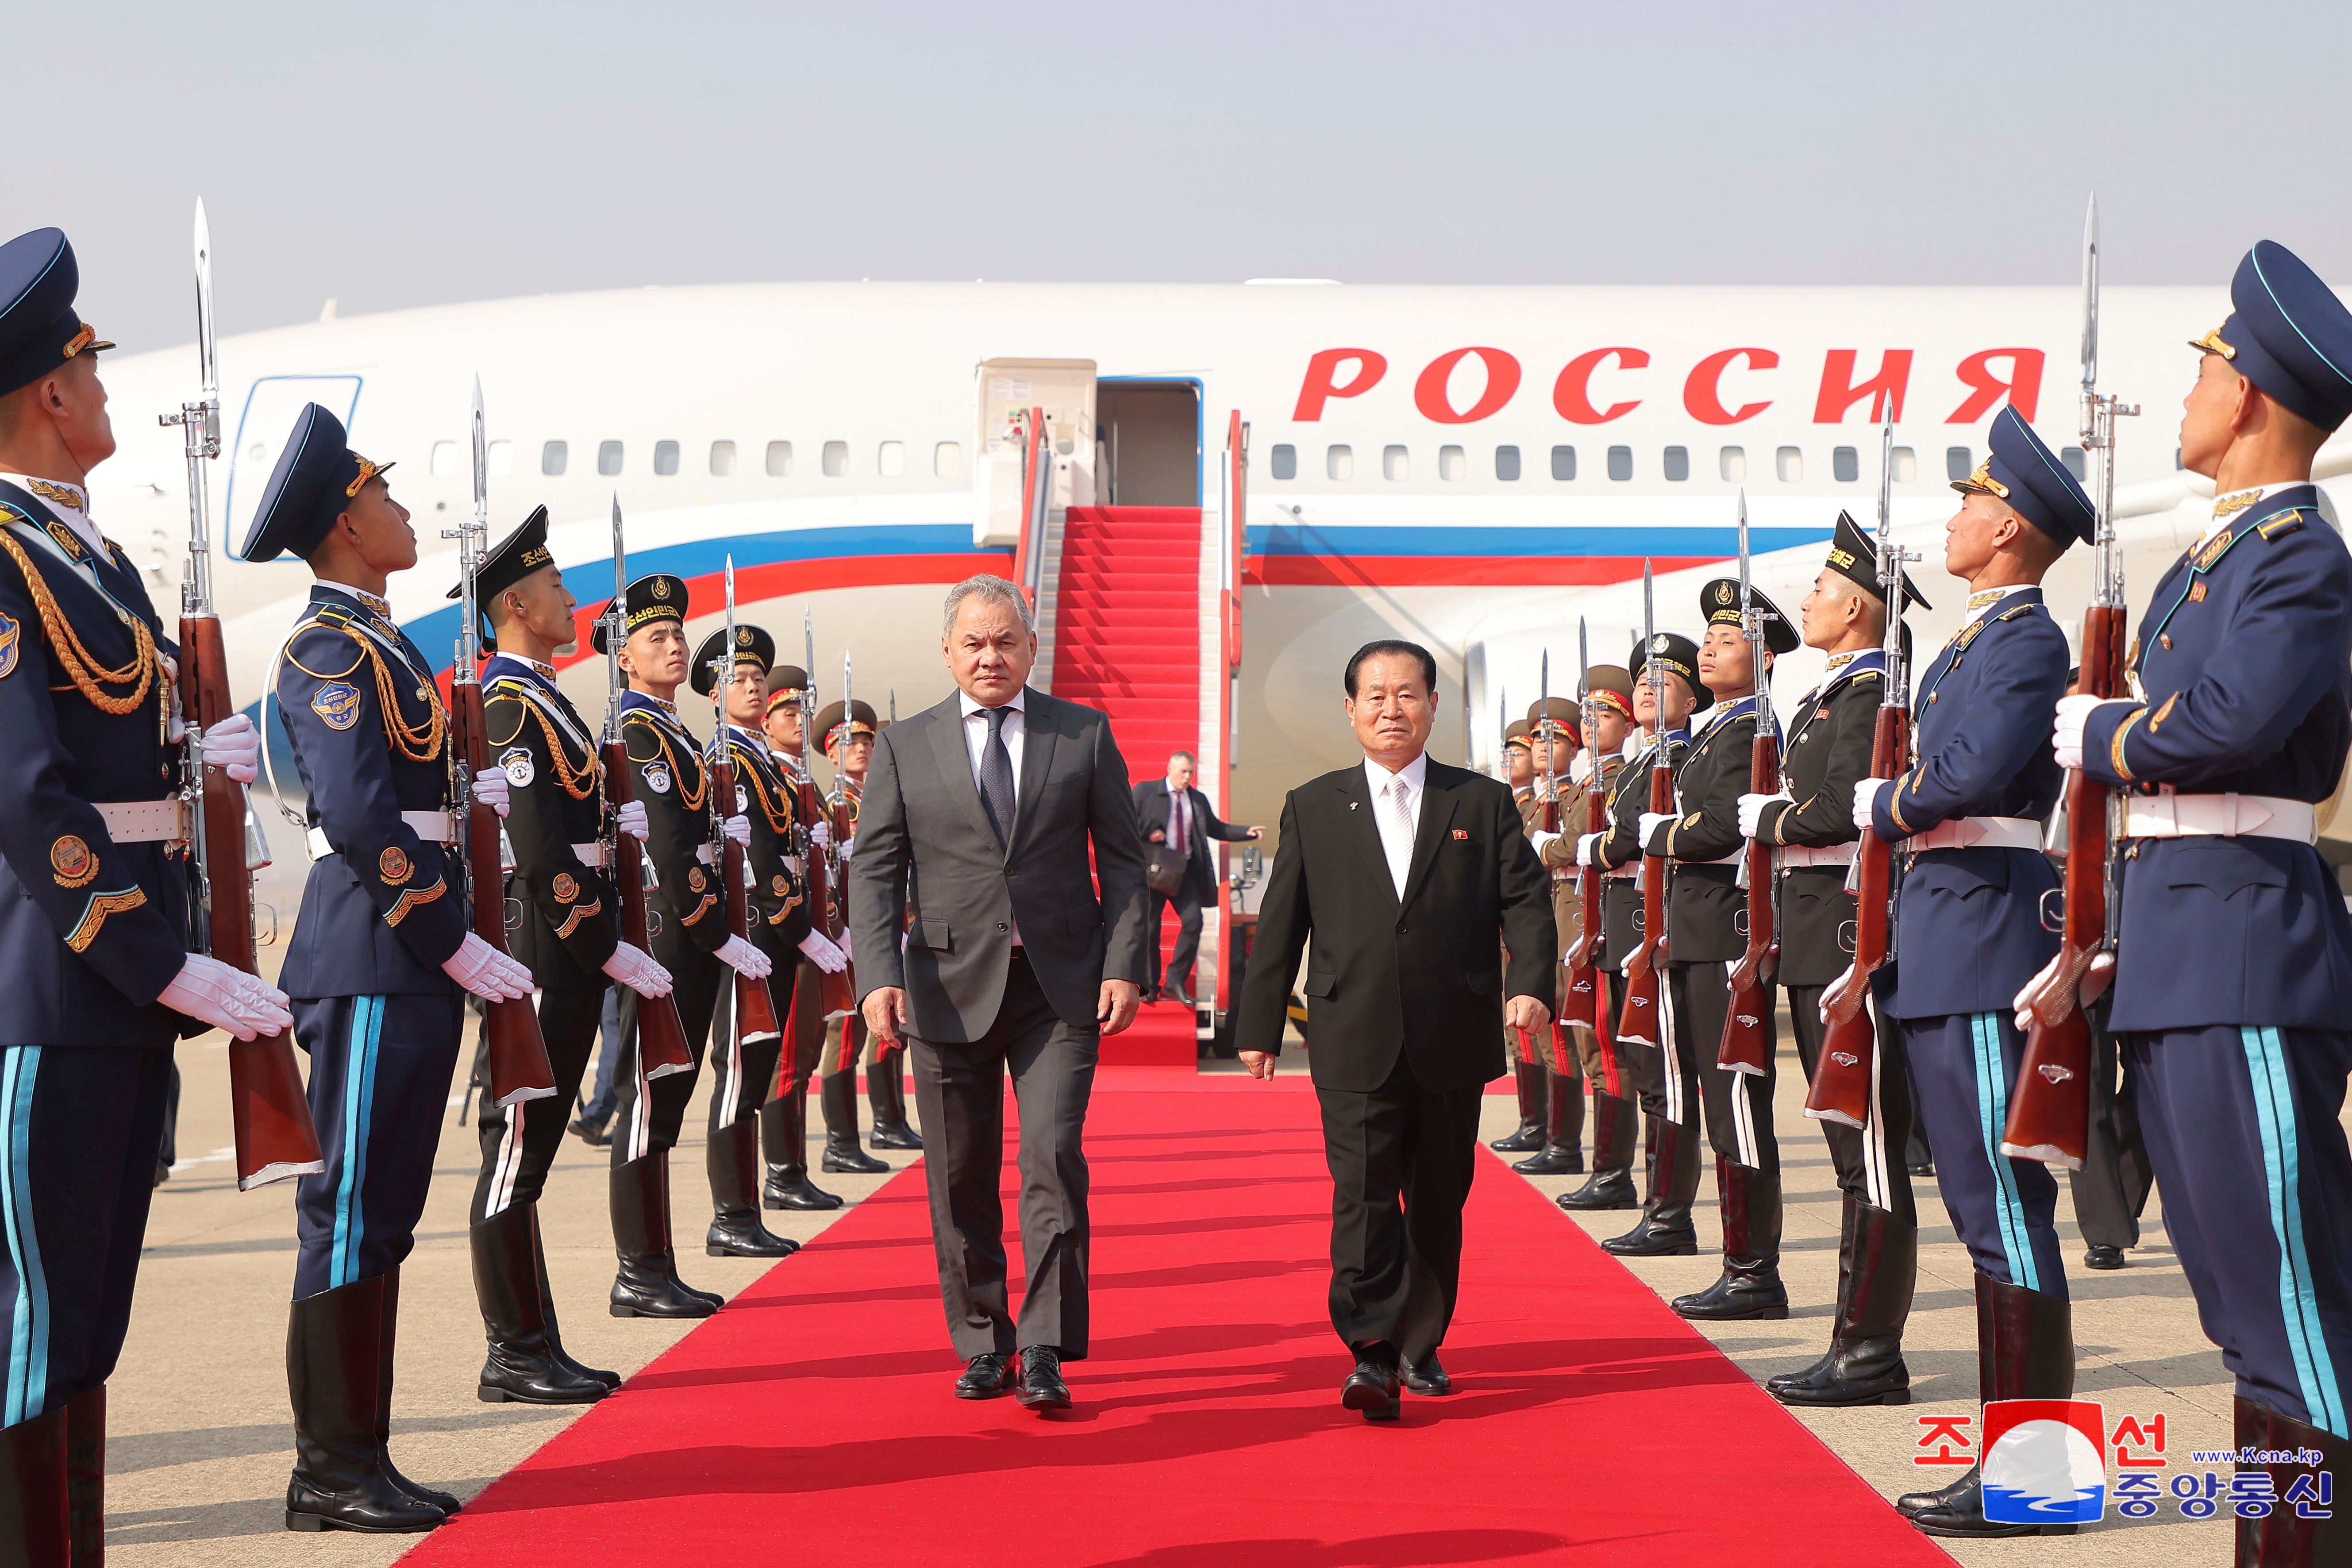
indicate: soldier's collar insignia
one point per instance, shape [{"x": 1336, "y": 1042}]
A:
[
  {"x": 68, "y": 541},
  {"x": 1987, "y": 597},
  {"x": 547, "y": 670},
  {"x": 2213, "y": 549},
  {"x": 1839, "y": 660},
  {"x": 2236, "y": 502},
  {"x": 56, "y": 494}
]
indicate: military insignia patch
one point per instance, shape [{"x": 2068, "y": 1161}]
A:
[
  {"x": 2213, "y": 547},
  {"x": 1660, "y": 644},
  {"x": 519, "y": 769},
  {"x": 61, "y": 495},
  {"x": 1724, "y": 592},
  {"x": 392, "y": 865},
  {"x": 657, "y": 779},
  {"x": 661, "y": 587},
  {"x": 778, "y": 885},
  {"x": 696, "y": 879},
  {"x": 743, "y": 799},
  {"x": 743, "y": 636},
  {"x": 67, "y": 541},
  {"x": 338, "y": 704},
  {"x": 71, "y": 862},
  {"x": 565, "y": 886},
  {"x": 2197, "y": 592},
  {"x": 12, "y": 642}
]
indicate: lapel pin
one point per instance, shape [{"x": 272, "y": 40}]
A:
[
  {"x": 1351, "y": 806},
  {"x": 1461, "y": 833}
]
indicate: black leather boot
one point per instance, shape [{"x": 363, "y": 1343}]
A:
[
  {"x": 733, "y": 1155},
  {"x": 522, "y": 1366},
  {"x": 1529, "y": 1135},
  {"x": 86, "y": 1477},
  {"x": 1611, "y": 1185},
  {"x": 571, "y": 1364},
  {"x": 335, "y": 1354},
  {"x": 886, "y": 1091},
  {"x": 647, "y": 1285},
  {"x": 2287, "y": 1540},
  {"x": 33, "y": 1491},
  {"x": 1563, "y": 1154},
  {"x": 1664, "y": 1229},
  {"x": 388, "y": 1342},
  {"x": 1749, "y": 1286},
  {"x": 2025, "y": 1350},
  {"x": 842, "y": 1155},
  {"x": 783, "y": 1133},
  {"x": 1878, "y": 1266}
]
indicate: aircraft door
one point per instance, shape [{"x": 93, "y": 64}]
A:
[{"x": 262, "y": 427}]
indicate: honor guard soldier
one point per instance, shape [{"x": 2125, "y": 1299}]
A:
[
  {"x": 1663, "y": 1079},
  {"x": 776, "y": 903},
  {"x": 691, "y": 941},
  {"x": 847, "y": 734},
  {"x": 561, "y": 919},
  {"x": 1609, "y": 695},
  {"x": 1554, "y": 746},
  {"x": 783, "y": 1121},
  {"x": 1810, "y": 822},
  {"x": 2233, "y": 978},
  {"x": 95, "y": 981},
  {"x": 1526, "y": 1077},
  {"x": 1968, "y": 817},
  {"x": 378, "y": 965}
]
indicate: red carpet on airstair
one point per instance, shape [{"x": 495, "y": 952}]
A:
[
  {"x": 810, "y": 1422},
  {"x": 1127, "y": 639}
]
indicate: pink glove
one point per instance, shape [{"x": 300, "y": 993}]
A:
[
  {"x": 234, "y": 746},
  {"x": 226, "y": 997},
  {"x": 635, "y": 968},
  {"x": 745, "y": 960},
  {"x": 487, "y": 973}
]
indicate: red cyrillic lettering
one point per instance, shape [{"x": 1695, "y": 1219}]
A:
[
  {"x": 1320, "y": 385},
  {"x": 1839, "y": 393},
  {"x": 1502, "y": 380},
  {"x": 1572, "y": 392},
  {"x": 1703, "y": 393},
  {"x": 2024, "y": 386}
]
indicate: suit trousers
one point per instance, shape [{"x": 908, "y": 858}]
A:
[
  {"x": 959, "y": 1093},
  {"x": 1869, "y": 1161},
  {"x": 1188, "y": 900},
  {"x": 1963, "y": 1072},
  {"x": 519, "y": 1142},
  {"x": 1402, "y": 1160},
  {"x": 78, "y": 1130},
  {"x": 2111, "y": 1187},
  {"x": 651, "y": 1113}
]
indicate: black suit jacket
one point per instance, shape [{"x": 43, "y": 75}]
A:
[
  {"x": 1416, "y": 975},
  {"x": 1152, "y": 813}
]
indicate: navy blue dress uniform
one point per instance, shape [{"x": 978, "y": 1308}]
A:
[
  {"x": 2232, "y": 990},
  {"x": 562, "y": 924},
  {"x": 1825, "y": 751},
  {"x": 382, "y": 911},
  {"x": 1969, "y": 933},
  {"x": 92, "y": 915},
  {"x": 1611, "y": 1185},
  {"x": 783, "y": 1121}
]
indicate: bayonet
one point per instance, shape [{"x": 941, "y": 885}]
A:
[
  {"x": 617, "y": 625},
  {"x": 1751, "y": 625}
]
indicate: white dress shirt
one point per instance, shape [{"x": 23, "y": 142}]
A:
[
  {"x": 1398, "y": 828},
  {"x": 975, "y": 741}
]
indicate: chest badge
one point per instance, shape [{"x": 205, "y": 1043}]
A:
[
  {"x": 742, "y": 800},
  {"x": 392, "y": 865},
  {"x": 338, "y": 704},
  {"x": 12, "y": 642},
  {"x": 519, "y": 769},
  {"x": 566, "y": 887},
  {"x": 696, "y": 879},
  {"x": 71, "y": 862},
  {"x": 2197, "y": 592},
  {"x": 657, "y": 779},
  {"x": 1462, "y": 832}
]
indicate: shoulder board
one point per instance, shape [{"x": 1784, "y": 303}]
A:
[
  {"x": 1868, "y": 675},
  {"x": 2279, "y": 526}
]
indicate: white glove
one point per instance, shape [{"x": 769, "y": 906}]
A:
[
  {"x": 843, "y": 943},
  {"x": 1537, "y": 840},
  {"x": 226, "y": 997},
  {"x": 2023, "y": 1005},
  {"x": 738, "y": 827},
  {"x": 490, "y": 789},
  {"x": 796, "y": 864},
  {"x": 233, "y": 745},
  {"x": 485, "y": 971},
  {"x": 821, "y": 834},
  {"x": 849, "y": 846},
  {"x": 1651, "y": 822},
  {"x": 631, "y": 819},
  {"x": 745, "y": 960},
  {"x": 1865, "y": 802},
  {"x": 824, "y": 954},
  {"x": 634, "y": 968},
  {"x": 2073, "y": 716},
  {"x": 1751, "y": 811},
  {"x": 1585, "y": 842},
  {"x": 1581, "y": 771}
]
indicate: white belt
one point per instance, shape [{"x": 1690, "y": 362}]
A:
[
  {"x": 2169, "y": 815},
  {"x": 1980, "y": 832},
  {"x": 1733, "y": 858},
  {"x": 433, "y": 826},
  {"x": 144, "y": 821},
  {"x": 1798, "y": 857},
  {"x": 591, "y": 855}
]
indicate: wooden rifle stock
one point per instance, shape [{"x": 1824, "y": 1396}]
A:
[
  {"x": 661, "y": 1038},
  {"x": 1585, "y": 994},
  {"x": 833, "y": 994},
  {"x": 1840, "y": 1085},
  {"x": 2050, "y": 1111},
  {"x": 520, "y": 1069},
  {"x": 1647, "y": 965},
  {"x": 755, "y": 1004},
  {"x": 1745, "y": 1047},
  {"x": 267, "y": 1105}
]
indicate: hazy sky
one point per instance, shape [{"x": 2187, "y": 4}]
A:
[{"x": 427, "y": 152}]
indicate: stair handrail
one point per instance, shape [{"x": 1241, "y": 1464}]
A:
[{"x": 1037, "y": 494}]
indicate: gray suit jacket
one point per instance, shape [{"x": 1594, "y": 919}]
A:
[{"x": 925, "y": 847}]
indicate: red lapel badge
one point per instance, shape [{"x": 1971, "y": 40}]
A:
[{"x": 1461, "y": 833}]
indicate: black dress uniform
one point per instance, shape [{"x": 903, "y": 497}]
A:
[
  {"x": 1611, "y": 1185},
  {"x": 846, "y": 1037},
  {"x": 91, "y": 926},
  {"x": 2233, "y": 979}
]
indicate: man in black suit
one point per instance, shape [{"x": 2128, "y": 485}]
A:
[
  {"x": 976, "y": 825},
  {"x": 1406, "y": 872},
  {"x": 1170, "y": 812}
]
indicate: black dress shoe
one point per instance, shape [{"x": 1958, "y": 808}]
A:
[
  {"x": 843, "y": 1157},
  {"x": 1924, "y": 1169},
  {"x": 895, "y": 1135},
  {"x": 1372, "y": 1388},
  {"x": 592, "y": 1133},
  {"x": 985, "y": 1376},
  {"x": 1959, "y": 1511},
  {"x": 2104, "y": 1258},
  {"x": 1646, "y": 1240},
  {"x": 1042, "y": 1387},
  {"x": 1426, "y": 1378},
  {"x": 1552, "y": 1159},
  {"x": 1735, "y": 1297},
  {"x": 1606, "y": 1190}
]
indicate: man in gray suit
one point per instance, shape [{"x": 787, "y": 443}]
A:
[{"x": 975, "y": 828}]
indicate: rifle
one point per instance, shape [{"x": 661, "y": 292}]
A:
[
  {"x": 661, "y": 1038},
  {"x": 755, "y": 1004},
  {"x": 1841, "y": 1089},
  {"x": 267, "y": 1106},
  {"x": 1745, "y": 1047},
  {"x": 520, "y": 1069},
  {"x": 2050, "y": 1111},
  {"x": 1583, "y": 969},
  {"x": 1643, "y": 969}
]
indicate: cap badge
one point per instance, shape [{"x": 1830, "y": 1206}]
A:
[
  {"x": 1982, "y": 479},
  {"x": 2211, "y": 343},
  {"x": 1660, "y": 644},
  {"x": 367, "y": 470},
  {"x": 661, "y": 587}
]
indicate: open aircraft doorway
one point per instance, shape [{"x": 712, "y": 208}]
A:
[{"x": 1148, "y": 442}]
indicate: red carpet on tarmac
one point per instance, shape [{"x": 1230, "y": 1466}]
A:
[{"x": 810, "y": 1423}]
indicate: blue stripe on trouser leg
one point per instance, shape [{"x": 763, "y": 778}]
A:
[
  {"x": 29, "y": 1329},
  {"x": 2274, "y": 1098},
  {"x": 1993, "y": 1111},
  {"x": 2005, "y": 1211}
]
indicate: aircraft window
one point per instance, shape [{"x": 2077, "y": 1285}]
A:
[
  {"x": 1907, "y": 465},
  {"x": 553, "y": 456},
  {"x": 1677, "y": 463},
  {"x": 1845, "y": 465},
  {"x": 1396, "y": 463},
  {"x": 835, "y": 460},
  {"x": 1732, "y": 463},
  {"x": 1957, "y": 466},
  {"x": 501, "y": 458},
  {"x": 1340, "y": 463},
  {"x": 946, "y": 461},
  {"x": 1563, "y": 463},
  {"x": 608, "y": 456},
  {"x": 1450, "y": 464},
  {"x": 1790, "y": 464},
  {"x": 1506, "y": 462},
  {"x": 722, "y": 458},
  {"x": 444, "y": 457},
  {"x": 665, "y": 458},
  {"x": 1620, "y": 463},
  {"x": 890, "y": 462},
  {"x": 2075, "y": 465},
  {"x": 780, "y": 459},
  {"x": 1286, "y": 462}
]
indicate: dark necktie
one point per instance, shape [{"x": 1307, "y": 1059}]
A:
[{"x": 996, "y": 777}]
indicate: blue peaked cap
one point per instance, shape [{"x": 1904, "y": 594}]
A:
[
  {"x": 40, "y": 328},
  {"x": 2027, "y": 474},
  {"x": 2289, "y": 334},
  {"x": 317, "y": 476}
]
